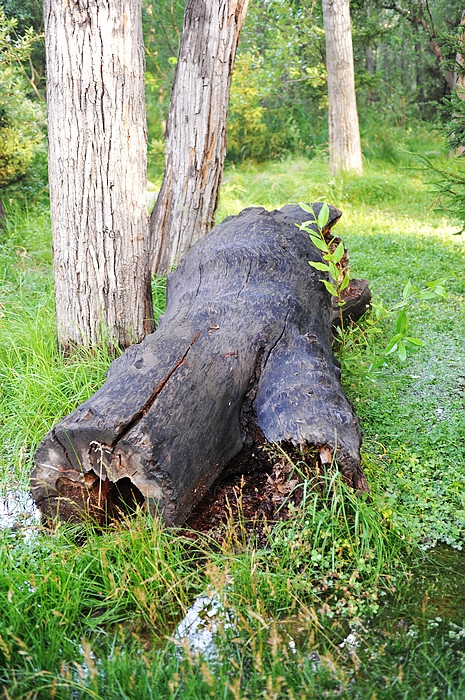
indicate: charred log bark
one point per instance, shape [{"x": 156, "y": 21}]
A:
[{"x": 242, "y": 357}]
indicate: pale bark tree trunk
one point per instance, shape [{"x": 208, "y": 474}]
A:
[
  {"x": 345, "y": 151},
  {"x": 196, "y": 129},
  {"x": 97, "y": 171}
]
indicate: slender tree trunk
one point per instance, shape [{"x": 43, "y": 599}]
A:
[
  {"x": 97, "y": 170},
  {"x": 459, "y": 75},
  {"x": 370, "y": 60},
  {"x": 345, "y": 151},
  {"x": 196, "y": 129},
  {"x": 370, "y": 53}
]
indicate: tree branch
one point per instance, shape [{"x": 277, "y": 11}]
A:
[{"x": 430, "y": 30}]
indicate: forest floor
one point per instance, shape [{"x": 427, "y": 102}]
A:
[{"x": 344, "y": 596}]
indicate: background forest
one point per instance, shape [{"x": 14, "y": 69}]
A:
[
  {"x": 348, "y": 597},
  {"x": 405, "y": 59},
  {"x": 406, "y": 70}
]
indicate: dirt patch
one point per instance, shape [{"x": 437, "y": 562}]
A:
[{"x": 255, "y": 499}]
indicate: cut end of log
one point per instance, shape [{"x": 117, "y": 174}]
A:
[
  {"x": 356, "y": 298},
  {"x": 87, "y": 498}
]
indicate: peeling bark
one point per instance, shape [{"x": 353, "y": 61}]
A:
[
  {"x": 241, "y": 358},
  {"x": 97, "y": 171},
  {"x": 196, "y": 129}
]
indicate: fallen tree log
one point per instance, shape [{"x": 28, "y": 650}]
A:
[{"x": 241, "y": 358}]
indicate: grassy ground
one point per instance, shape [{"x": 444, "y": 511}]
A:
[{"x": 350, "y": 598}]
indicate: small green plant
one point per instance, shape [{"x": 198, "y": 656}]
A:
[
  {"x": 333, "y": 254},
  {"x": 401, "y": 342},
  {"x": 339, "y": 277}
]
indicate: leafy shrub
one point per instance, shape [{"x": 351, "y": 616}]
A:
[
  {"x": 21, "y": 119},
  {"x": 247, "y": 132},
  {"x": 278, "y": 92}
]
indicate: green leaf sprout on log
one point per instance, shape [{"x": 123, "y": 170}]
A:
[
  {"x": 402, "y": 342},
  {"x": 339, "y": 277}
]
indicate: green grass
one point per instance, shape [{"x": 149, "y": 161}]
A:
[{"x": 89, "y": 614}]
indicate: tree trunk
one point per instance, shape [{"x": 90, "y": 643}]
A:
[
  {"x": 241, "y": 358},
  {"x": 97, "y": 171},
  {"x": 459, "y": 76},
  {"x": 345, "y": 151},
  {"x": 370, "y": 60},
  {"x": 196, "y": 129}
]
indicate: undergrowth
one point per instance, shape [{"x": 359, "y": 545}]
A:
[{"x": 352, "y": 596}]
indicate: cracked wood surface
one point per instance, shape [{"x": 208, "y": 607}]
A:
[{"x": 241, "y": 357}]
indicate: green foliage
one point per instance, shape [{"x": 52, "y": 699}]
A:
[
  {"x": 454, "y": 128},
  {"x": 28, "y": 13},
  {"x": 156, "y": 157},
  {"x": 21, "y": 119},
  {"x": 339, "y": 541},
  {"x": 449, "y": 180},
  {"x": 449, "y": 183},
  {"x": 338, "y": 280},
  {"x": 279, "y": 82},
  {"x": 278, "y": 98},
  {"x": 29, "y": 18},
  {"x": 162, "y": 23},
  {"x": 384, "y": 140},
  {"x": 247, "y": 131},
  {"x": 278, "y": 91},
  {"x": 383, "y": 186},
  {"x": 401, "y": 342},
  {"x": 397, "y": 73},
  {"x": 137, "y": 574}
]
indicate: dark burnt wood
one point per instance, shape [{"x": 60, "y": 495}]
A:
[{"x": 242, "y": 357}]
